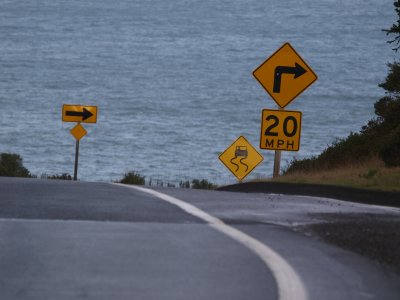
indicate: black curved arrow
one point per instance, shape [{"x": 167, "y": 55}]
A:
[
  {"x": 297, "y": 70},
  {"x": 85, "y": 114}
]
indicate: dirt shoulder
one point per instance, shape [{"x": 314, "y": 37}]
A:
[
  {"x": 374, "y": 236},
  {"x": 318, "y": 190}
]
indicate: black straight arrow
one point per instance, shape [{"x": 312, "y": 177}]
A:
[
  {"x": 85, "y": 114},
  {"x": 297, "y": 70}
]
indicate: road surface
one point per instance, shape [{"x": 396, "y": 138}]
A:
[{"x": 77, "y": 240}]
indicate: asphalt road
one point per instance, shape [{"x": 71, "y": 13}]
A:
[{"x": 76, "y": 240}]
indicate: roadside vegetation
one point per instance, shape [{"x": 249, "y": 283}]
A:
[
  {"x": 369, "y": 174},
  {"x": 11, "y": 166},
  {"x": 203, "y": 184},
  {"x": 63, "y": 176},
  {"x": 133, "y": 177},
  {"x": 369, "y": 158}
]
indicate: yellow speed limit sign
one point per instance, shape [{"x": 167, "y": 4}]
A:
[{"x": 280, "y": 130}]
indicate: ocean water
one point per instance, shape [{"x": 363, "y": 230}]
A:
[{"x": 173, "y": 79}]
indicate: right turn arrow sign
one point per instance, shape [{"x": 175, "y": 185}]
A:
[{"x": 284, "y": 61}]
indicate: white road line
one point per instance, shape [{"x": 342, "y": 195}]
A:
[{"x": 289, "y": 284}]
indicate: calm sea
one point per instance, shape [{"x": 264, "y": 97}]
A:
[{"x": 173, "y": 79}]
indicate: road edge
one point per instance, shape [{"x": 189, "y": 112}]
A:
[
  {"x": 318, "y": 190},
  {"x": 281, "y": 270}
]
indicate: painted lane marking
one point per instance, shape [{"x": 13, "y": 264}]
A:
[{"x": 289, "y": 284}]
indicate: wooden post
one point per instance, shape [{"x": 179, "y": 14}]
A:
[
  {"x": 277, "y": 163},
  {"x": 277, "y": 159}
]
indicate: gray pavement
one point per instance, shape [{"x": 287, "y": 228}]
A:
[
  {"x": 69, "y": 200},
  {"x": 76, "y": 240},
  {"x": 67, "y": 240},
  {"x": 258, "y": 208},
  {"x": 278, "y": 220}
]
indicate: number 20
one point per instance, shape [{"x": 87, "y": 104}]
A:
[{"x": 275, "y": 123}]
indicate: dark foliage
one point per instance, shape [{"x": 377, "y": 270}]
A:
[
  {"x": 64, "y": 176},
  {"x": 133, "y": 177},
  {"x": 202, "y": 184},
  {"x": 390, "y": 152},
  {"x": 380, "y": 137},
  {"x": 11, "y": 166},
  {"x": 395, "y": 29},
  {"x": 392, "y": 81},
  {"x": 184, "y": 184}
]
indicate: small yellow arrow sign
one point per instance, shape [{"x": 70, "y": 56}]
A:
[
  {"x": 79, "y": 113},
  {"x": 241, "y": 158}
]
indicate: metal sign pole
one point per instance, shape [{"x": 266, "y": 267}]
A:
[{"x": 76, "y": 160}]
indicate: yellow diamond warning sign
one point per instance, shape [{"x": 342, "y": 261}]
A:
[
  {"x": 285, "y": 75},
  {"x": 280, "y": 130},
  {"x": 241, "y": 158},
  {"x": 78, "y": 132}
]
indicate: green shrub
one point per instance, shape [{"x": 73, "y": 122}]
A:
[
  {"x": 371, "y": 173},
  {"x": 64, "y": 176},
  {"x": 304, "y": 165},
  {"x": 133, "y": 177},
  {"x": 11, "y": 166},
  {"x": 356, "y": 148},
  {"x": 380, "y": 137},
  {"x": 184, "y": 184},
  {"x": 202, "y": 184},
  {"x": 390, "y": 152}
]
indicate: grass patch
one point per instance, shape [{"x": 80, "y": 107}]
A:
[
  {"x": 203, "y": 184},
  {"x": 63, "y": 176},
  {"x": 133, "y": 177},
  {"x": 370, "y": 174}
]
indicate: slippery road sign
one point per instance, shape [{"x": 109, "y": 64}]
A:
[{"x": 241, "y": 158}]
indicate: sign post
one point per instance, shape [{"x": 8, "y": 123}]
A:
[
  {"x": 78, "y": 113},
  {"x": 284, "y": 76},
  {"x": 78, "y": 132},
  {"x": 277, "y": 163},
  {"x": 76, "y": 160}
]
